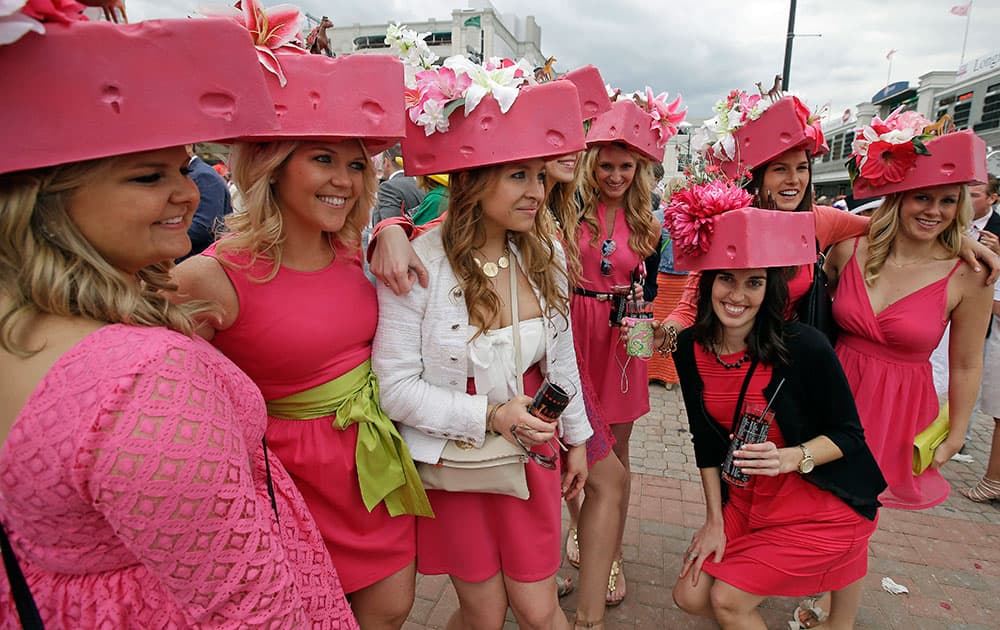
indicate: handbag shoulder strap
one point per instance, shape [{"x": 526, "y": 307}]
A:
[
  {"x": 23, "y": 601},
  {"x": 515, "y": 326}
]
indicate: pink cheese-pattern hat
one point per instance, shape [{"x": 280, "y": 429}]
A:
[
  {"x": 644, "y": 123},
  {"x": 903, "y": 153},
  {"x": 751, "y": 130},
  {"x": 593, "y": 96},
  {"x": 712, "y": 226},
  {"x": 356, "y": 96},
  {"x": 464, "y": 115},
  {"x": 87, "y": 90}
]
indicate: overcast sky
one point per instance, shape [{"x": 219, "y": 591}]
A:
[{"x": 703, "y": 48}]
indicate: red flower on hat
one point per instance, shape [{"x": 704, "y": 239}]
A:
[
  {"x": 690, "y": 216},
  {"x": 813, "y": 128},
  {"x": 888, "y": 162}
]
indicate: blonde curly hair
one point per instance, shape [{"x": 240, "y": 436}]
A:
[
  {"x": 884, "y": 226},
  {"x": 258, "y": 230},
  {"x": 48, "y": 267},
  {"x": 638, "y": 207},
  {"x": 462, "y": 232}
]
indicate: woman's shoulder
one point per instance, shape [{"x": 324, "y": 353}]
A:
[{"x": 429, "y": 246}]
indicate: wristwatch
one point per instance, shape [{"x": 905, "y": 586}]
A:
[{"x": 808, "y": 463}]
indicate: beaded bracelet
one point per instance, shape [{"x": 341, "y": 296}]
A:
[{"x": 669, "y": 343}]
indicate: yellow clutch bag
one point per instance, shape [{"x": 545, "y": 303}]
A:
[{"x": 927, "y": 441}]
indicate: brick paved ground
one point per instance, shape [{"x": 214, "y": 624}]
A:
[{"x": 949, "y": 556}]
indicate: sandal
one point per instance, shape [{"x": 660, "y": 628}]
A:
[
  {"x": 564, "y": 586},
  {"x": 588, "y": 624},
  {"x": 814, "y": 615},
  {"x": 573, "y": 545},
  {"x": 985, "y": 491},
  {"x": 616, "y": 574}
]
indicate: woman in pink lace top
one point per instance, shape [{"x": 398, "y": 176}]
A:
[{"x": 134, "y": 487}]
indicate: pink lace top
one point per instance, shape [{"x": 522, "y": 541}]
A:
[{"x": 132, "y": 487}]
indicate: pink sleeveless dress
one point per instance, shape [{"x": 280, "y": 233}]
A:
[
  {"x": 886, "y": 358},
  {"x": 620, "y": 382},
  {"x": 296, "y": 331},
  {"x": 133, "y": 490}
]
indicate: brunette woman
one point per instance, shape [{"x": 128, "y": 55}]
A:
[
  {"x": 451, "y": 358},
  {"x": 742, "y": 362}
]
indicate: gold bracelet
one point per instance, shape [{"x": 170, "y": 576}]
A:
[{"x": 489, "y": 418}]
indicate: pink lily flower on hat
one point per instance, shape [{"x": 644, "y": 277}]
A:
[
  {"x": 665, "y": 116},
  {"x": 273, "y": 30}
]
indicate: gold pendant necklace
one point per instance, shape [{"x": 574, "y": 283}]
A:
[{"x": 490, "y": 268}]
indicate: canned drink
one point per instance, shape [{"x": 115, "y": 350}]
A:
[
  {"x": 754, "y": 425},
  {"x": 551, "y": 400},
  {"x": 640, "y": 336}
]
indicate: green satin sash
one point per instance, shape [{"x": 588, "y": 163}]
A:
[{"x": 385, "y": 469}]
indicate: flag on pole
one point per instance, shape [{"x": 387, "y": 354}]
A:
[
  {"x": 961, "y": 9},
  {"x": 475, "y": 21},
  {"x": 889, "y": 54}
]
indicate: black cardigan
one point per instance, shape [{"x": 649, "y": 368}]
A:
[{"x": 815, "y": 400}]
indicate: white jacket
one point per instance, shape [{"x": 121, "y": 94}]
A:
[{"x": 420, "y": 358}]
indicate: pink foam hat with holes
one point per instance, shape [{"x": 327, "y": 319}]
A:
[
  {"x": 543, "y": 122},
  {"x": 87, "y": 90},
  {"x": 751, "y": 238},
  {"x": 783, "y": 126},
  {"x": 590, "y": 89},
  {"x": 355, "y": 96},
  {"x": 955, "y": 158},
  {"x": 627, "y": 123}
]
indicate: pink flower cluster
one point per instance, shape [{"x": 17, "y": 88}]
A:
[
  {"x": 55, "y": 10},
  {"x": 886, "y": 150},
  {"x": 665, "y": 116},
  {"x": 742, "y": 106},
  {"x": 813, "y": 127},
  {"x": 441, "y": 84},
  {"x": 690, "y": 216}
]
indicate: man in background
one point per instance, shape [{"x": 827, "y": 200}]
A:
[
  {"x": 399, "y": 193},
  {"x": 214, "y": 205}
]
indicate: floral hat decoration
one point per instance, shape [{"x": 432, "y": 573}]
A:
[
  {"x": 751, "y": 129},
  {"x": 907, "y": 151},
  {"x": 95, "y": 86},
  {"x": 713, "y": 226},
  {"x": 505, "y": 114},
  {"x": 308, "y": 91},
  {"x": 641, "y": 120}
]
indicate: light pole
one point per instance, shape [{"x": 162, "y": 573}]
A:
[{"x": 789, "y": 36}]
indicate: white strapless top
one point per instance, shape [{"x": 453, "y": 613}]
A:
[{"x": 491, "y": 357}]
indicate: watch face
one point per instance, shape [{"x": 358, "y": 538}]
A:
[{"x": 807, "y": 465}]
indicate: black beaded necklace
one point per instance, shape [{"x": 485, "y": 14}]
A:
[{"x": 730, "y": 366}]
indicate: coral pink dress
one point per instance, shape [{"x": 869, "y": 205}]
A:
[
  {"x": 784, "y": 535},
  {"x": 133, "y": 490},
  {"x": 886, "y": 358},
  {"x": 294, "y": 332},
  {"x": 620, "y": 382}
]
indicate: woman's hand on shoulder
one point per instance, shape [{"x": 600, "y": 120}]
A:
[
  {"x": 394, "y": 263},
  {"x": 532, "y": 431},
  {"x": 707, "y": 541},
  {"x": 974, "y": 253}
]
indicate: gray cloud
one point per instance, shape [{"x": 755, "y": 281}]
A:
[{"x": 702, "y": 49}]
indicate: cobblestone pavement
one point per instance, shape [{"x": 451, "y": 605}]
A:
[{"x": 949, "y": 556}]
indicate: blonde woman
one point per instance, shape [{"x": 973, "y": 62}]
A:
[
  {"x": 299, "y": 315},
  {"x": 134, "y": 487}
]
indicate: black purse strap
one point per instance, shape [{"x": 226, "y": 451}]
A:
[
  {"x": 23, "y": 601},
  {"x": 739, "y": 404}
]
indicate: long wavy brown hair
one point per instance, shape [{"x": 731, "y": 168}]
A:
[
  {"x": 48, "y": 267},
  {"x": 462, "y": 233},
  {"x": 258, "y": 230},
  {"x": 644, "y": 231}
]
